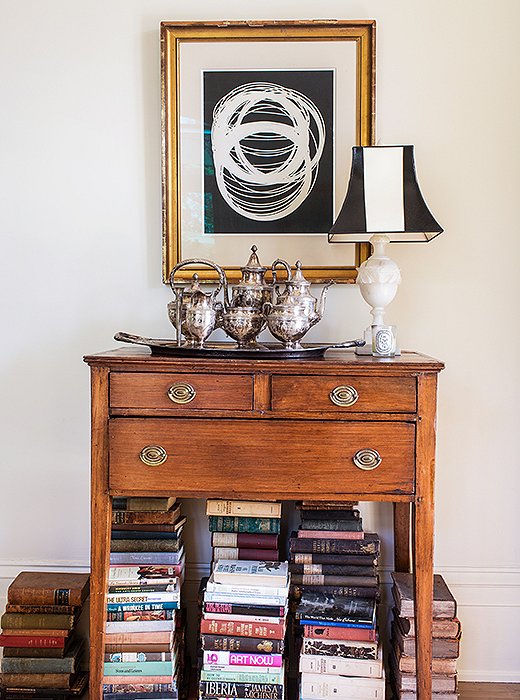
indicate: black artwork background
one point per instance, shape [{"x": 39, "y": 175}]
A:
[{"x": 315, "y": 214}]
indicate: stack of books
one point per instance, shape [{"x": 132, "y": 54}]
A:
[
  {"x": 144, "y": 640},
  {"x": 244, "y": 529},
  {"x": 42, "y": 649},
  {"x": 335, "y": 592},
  {"x": 446, "y": 640},
  {"x": 243, "y": 624}
]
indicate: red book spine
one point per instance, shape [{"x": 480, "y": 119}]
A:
[
  {"x": 341, "y": 633},
  {"x": 243, "y": 629},
  {"x": 15, "y": 640},
  {"x": 259, "y": 554},
  {"x": 247, "y": 540}
]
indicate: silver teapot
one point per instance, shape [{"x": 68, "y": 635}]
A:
[
  {"x": 295, "y": 310},
  {"x": 253, "y": 290},
  {"x": 195, "y": 313}
]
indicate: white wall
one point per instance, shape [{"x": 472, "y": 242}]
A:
[{"x": 80, "y": 255}]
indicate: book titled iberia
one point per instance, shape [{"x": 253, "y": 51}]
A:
[
  {"x": 257, "y": 691},
  {"x": 262, "y": 573}
]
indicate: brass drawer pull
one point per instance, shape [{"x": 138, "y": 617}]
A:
[
  {"x": 367, "y": 459},
  {"x": 344, "y": 395},
  {"x": 181, "y": 392},
  {"x": 153, "y": 455}
]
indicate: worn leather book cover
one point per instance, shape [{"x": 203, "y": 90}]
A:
[
  {"x": 48, "y": 588},
  {"x": 42, "y": 609},
  {"x": 369, "y": 545},
  {"x": 440, "y": 666},
  {"x": 323, "y": 580},
  {"x": 326, "y": 505},
  {"x": 341, "y": 559},
  {"x": 441, "y": 648},
  {"x": 230, "y": 523},
  {"x": 331, "y": 525},
  {"x": 348, "y": 591},
  {"x": 37, "y": 680},
  {"x": 247, "y": 540},
  {"x": 150, "y": 527},
  {"x": 154, "y": 545},
  {"x": 408, "y": 681},
  {"x": 445, "y": 628},
  {"x": 330, "y": 514},
  {"x": 243, "y": 629},
  {"x": 332, "y": 570},
  {"x": 244, "y": 554},
  {"x": 77, "y": 688},
  {"x": 444, "y": 604},
  {"x": 125, "y": 517},
  {"x": 248, "y": 509},
  {"x": 15, "y": 621},
  {"x": 144, "y": 503},
  {"x": 68, "y": 664}
]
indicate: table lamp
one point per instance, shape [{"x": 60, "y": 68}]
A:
[{"x": 383, "y": 205}]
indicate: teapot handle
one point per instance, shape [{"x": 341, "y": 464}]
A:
[
  {"x": 283, "y": 263},
  {"x": 198, "y": 261}
]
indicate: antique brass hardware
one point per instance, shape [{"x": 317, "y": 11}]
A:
[
  {"x": 344, "y": 395},
  {"x": 153, "y": 455},
  {"x": 181, "y": 392},
  {"x": 367, "y": 459}
]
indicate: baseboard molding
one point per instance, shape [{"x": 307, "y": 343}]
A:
[{"x": 467, "y": 675}]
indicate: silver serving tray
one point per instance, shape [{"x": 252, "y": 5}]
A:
[{"x": 160, "y": 346}]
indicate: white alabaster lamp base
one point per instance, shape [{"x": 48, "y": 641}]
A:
[{"x": 378, "y": 279}]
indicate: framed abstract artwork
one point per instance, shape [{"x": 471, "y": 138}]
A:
[{"x": 258, "y": 124}]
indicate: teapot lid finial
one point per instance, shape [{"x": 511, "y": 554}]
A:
[
  {"x": 298, "y": 275},
  {"x": 254, "y": 263}
]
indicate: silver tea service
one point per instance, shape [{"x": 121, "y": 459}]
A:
[{"x": 253, "y": 303}]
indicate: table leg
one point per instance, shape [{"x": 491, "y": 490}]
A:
[
  {"x": 101, "y": 518},
  {"x": 423, "y": 532}
]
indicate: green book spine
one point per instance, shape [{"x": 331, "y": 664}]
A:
[
  {"x": 18, "y": 621},
  {"x": 229, "y": 523},
  {"x": 142, "y": 668},
  {"x": 145, "y": 545},
  {"x": 333, "y": 525},
  {"x": 20, "y": 665}
]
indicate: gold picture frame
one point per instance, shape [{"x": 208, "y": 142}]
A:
[{"x": 190, "y": 50}]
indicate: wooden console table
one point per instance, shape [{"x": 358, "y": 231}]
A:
[{"x": 339, "y": 428}]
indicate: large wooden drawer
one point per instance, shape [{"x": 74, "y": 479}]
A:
[
  {"x": 340, "y": 393},
  {"x": 147, "y": 390},
  {"x": 206, "y": 456}
]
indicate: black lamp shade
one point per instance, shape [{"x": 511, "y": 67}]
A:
[{"x": 383, "y": 196}]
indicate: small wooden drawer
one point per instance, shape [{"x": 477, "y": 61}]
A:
[
  {"x": 261, "y": 457},
  {"x": 148, "y": 390},
  {"x": 338, "y": 393}
]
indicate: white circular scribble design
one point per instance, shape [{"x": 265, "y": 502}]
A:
[{"x": 267, "y": 141}]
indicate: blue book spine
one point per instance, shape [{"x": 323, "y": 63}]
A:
[
  {"x": 142, "y": 668},
  {"x": 329, "y": 623},
  {"x": 146, "y": 557}
]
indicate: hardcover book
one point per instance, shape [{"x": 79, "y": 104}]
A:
[
  {"x": 339, "y": 534},
  {"x": 444, "y": 604},
  {"x": 242, "y": 644},
  {"x": 332, "y": 570},
  {"x": 143, "y": 503},
  {"x": 347, "y": 650},
  {"x": 319, "y": 580},
  {"x": 256, "y": 573},
  {"x": 319, "y": 524},
  {"x": 322, "y": 607},
  {"x": 76, "y": 689},
  {"x": 317, "y": 685},
  {"x": 144, "y": 545},
  {"x": 445, "y": 628},
  {"x": 342, "y": 666},
  {"x": 228, "y": 523},
  {"x": 37, "y": 621},
  {"x": 341, "y": 559},
  {"x": 237, "y": 609},
  {"x": 245, "y": 554},
  {"x": 217, "y": 659},
  {"x": 69, "y": 664},
  {"x": 243, "y": 629},
  {"x": 124, "y": 517},
  {"x": 244, "y": 540},
  {"x": 245, "y": 675},
  {"x": 255, "y": 509},
  {"x": 340, "y": 633},
  {"x": 333, "y": 513},
  {"x": 159, "y": 574},
  {"x": 347, "y": 591},
  {"x": 369, "y": 545},
  {"x": 215, "y": 689},
  {"x": 37, "y": 680},
  {"x": 48, "y": 588},
  {"x": 441, "y": 648},
  {"x": 145, "y": 558}
]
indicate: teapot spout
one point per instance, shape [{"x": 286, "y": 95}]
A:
[{"x": 320, "y": 306}]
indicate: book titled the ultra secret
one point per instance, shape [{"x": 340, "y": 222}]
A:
[{"x": 261, "y": 573}]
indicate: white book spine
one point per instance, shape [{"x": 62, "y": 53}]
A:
[
  {"x": 335, "y": 665},
  {"x": 243, "y": 618},
  {"x": 244, "y": 599},
  {"x": 324, "y": 686},
  {"x": 140, "y": 626},
  {"x": 244, "y": 509}
]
